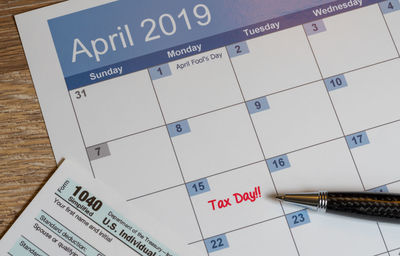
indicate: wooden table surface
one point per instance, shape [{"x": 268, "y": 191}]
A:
[{"x": 26, "y": 158}]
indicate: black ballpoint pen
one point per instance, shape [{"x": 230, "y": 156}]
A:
[{"x": 367, "y": 205}]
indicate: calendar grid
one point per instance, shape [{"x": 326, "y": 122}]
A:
[
  {"x": 283, "y": 215},
  {"x": 249, "y": 164},
  {"x": 258, "y": 140},
  {"x": 239, "y": 103},
  {"x": 179, "y": 165},
  {"x": 260, "y": 161},
  {"x": 387, "y": 250},
  {"x": 341, "y": 127},
  {"x": 333, "y": 106},
  {"x": 262, "y": 151},
  {"x": 274, "y": 156},
  {"x": 310, "y": 146}
]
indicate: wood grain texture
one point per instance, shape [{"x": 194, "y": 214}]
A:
[{"x": 26, "y": 158}]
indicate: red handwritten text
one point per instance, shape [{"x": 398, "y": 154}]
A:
[{"x": 239, "y": 198}]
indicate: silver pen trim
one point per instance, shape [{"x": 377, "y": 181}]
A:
[{"x": 317, "y": 201}]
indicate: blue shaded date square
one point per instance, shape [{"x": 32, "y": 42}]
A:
[
  {"x": 216, "y": 243},
  {"x": 382, "y": 189},
  {"x": 238, "y": 49},
  {"x": 198, "y": 187},
  {"x": 257, "y": 105},
  {"x": 314, "y": 27},
  {"x": 389, "y": 6},
  {"x": 158, "y": 72},
  {"x": 357, "y": 139},
  {"x": 278, "y": 163},
  {"x": 178, "y": 128},
  {"x": 298, "y": 218},
  {"x": 335, "y": 82}
]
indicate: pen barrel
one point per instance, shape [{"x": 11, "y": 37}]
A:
[{"x": 376, "y": 206}]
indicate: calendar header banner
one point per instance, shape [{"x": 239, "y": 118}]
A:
[{"x": 122, "y": 37}]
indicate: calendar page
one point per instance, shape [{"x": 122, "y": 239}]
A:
[{"x": 200, "y": 112}]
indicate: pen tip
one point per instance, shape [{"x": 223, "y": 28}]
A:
[{"x": 280, "y": 197}]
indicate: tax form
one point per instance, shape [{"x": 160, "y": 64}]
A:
[{"x": 75, "y": 215}]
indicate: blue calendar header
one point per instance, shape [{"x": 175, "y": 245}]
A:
[{"x": 126, "y": 36}]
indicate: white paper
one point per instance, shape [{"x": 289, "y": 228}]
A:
[{"x": 201, "y": 142}]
